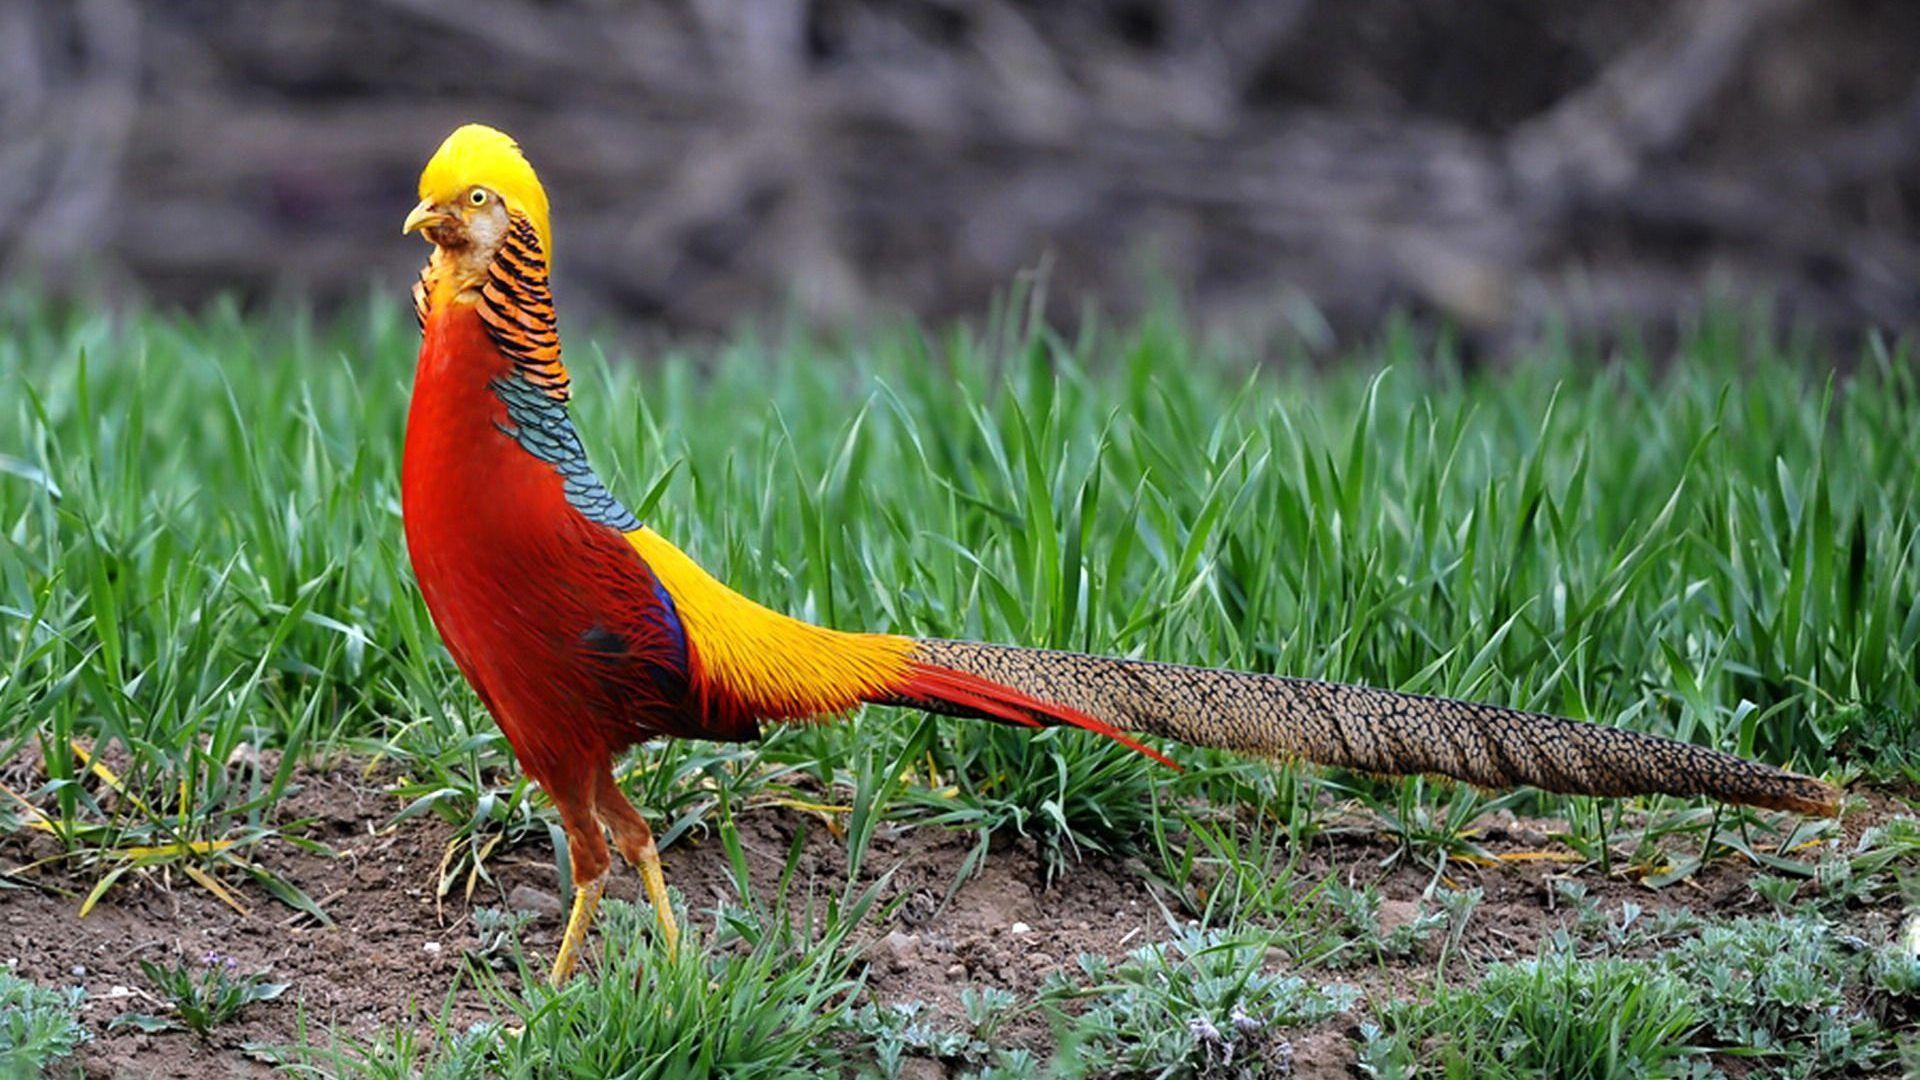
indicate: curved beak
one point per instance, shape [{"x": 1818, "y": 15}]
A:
[{"x": 425, "y": 216}]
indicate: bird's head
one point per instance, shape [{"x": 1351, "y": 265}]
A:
[{"x": 470, "y": 192}]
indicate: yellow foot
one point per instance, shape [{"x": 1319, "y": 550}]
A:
[
  {"x": 655, "y": 882},
  {"x": 586, "y": 900}
]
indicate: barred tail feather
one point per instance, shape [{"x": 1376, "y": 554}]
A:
[{"x": 1349, "y": 726}]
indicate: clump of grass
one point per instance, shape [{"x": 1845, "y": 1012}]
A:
[
  {"x": 421, "y": 1048},
  {"x": 1878, "y": 869},
  {"x": 1228, "y": 837},
  {"x": 1435, "y": 826},
  {"x": 1559, "y": 1015},
  {"x": 200, "y": 997},
  {"x": 717, "y": 1005},
  {"x": 695, "y": 1009},
  {"x": 765, "y": 993},
  {"x": 38, "y": 1026},
  {"x": 1070, "y": 792},
  {"x": 1201, "y": 1005},
  {"x": 1793, "y": 996}
]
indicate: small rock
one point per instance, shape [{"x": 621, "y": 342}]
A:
[
  {"x": 246, "y": 754},
  {"x": 919, "y": 1068},
  {"x": 1396, "y": 913},
  {"x": 1020, "y": 928},
  {"x": 535, "y": 901},
  {"x": 957, "y": 971},
  {"x": 896, "y": 950},
  {"x": 432, "y": 948}
]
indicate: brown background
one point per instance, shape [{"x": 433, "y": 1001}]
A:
[{"x": 1294, "y": 166}]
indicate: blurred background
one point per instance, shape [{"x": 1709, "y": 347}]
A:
[{"x": 1291, "y": 167}]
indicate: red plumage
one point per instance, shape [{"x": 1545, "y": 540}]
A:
[{"x": 553, "y": 618}]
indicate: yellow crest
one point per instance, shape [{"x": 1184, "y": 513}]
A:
[{"x": 477, "y": 155}]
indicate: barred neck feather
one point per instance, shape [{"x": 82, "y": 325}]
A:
[
  {"x": 514, "y": 302},
  {"x": 517, "y": 307}
]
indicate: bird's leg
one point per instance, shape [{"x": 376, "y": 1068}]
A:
[
  {"x": 635, "y": 841},
  {"x": 586, "y": 901},
  {"x": 587, "y": 851}
]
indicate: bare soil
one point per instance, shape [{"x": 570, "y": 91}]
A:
[{"x": 394, "y": 948}]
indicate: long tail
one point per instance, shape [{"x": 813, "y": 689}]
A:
[{"x": 1330, "y": 724}]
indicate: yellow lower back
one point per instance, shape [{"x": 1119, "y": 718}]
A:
[{"x": 773, "y": 666}]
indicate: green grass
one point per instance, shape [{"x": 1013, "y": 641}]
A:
[
  {"x": 199, "y": 996},
  {"x": 1556, "y": 1016},
  {"x": 1790, "y": 997},
  {"x": 763, "y": 994},
  {"x": 201, "y": 559}
]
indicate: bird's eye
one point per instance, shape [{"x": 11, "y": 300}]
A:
[{"x": 478, "y": 197}]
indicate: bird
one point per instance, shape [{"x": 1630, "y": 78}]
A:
[{"x": 584, "y": 632}]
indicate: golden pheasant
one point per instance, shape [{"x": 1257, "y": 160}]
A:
[{"x": 584, "y": 632}]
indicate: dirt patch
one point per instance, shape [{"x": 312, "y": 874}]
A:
[
  {"x": 391, "y": 947},
  {"x": 394, "y": 949}
]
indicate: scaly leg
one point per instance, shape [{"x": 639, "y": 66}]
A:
[
  {"x": 586, "y": 901},
  {"x": 635, "y": 841},
  {"x": 587, "y": 850}
]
